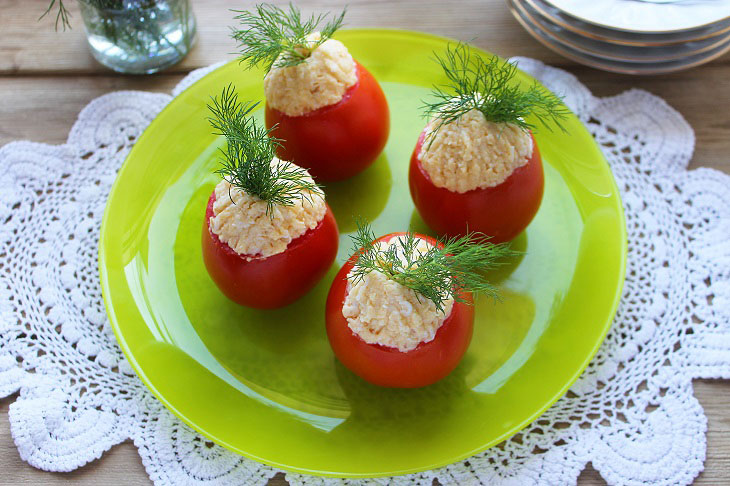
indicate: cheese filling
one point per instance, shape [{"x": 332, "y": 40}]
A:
[
  {"x": 240, "y": 221},
  {"x": 321, "y": 80},
  {"x": 385, "y": 312},
  {"x": 472, "y": 152}
]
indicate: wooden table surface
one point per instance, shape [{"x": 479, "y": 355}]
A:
[{"x": 47, "y": 77}]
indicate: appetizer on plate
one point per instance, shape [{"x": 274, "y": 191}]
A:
[
  {"x": 399, "y": 312},
  {"x": 268, "y": 235},
  {"x": 476, "y": 165},
  {"x": 329, "y": 110}
]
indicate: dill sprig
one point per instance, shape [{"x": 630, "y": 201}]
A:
[
  {"x": 246, "y": 161},
  {"x": 269, "y": 32},
  {"x": 486, "y": 85},
  {"x": 437, "y": 273},
  {"x": 62, "y": 15}
]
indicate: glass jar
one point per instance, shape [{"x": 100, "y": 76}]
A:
[{"x": 138, "y": 36}]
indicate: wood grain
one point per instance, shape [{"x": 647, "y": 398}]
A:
[
  {"x": 28, "y": 46},
  {"x": 47, "y": 77}
]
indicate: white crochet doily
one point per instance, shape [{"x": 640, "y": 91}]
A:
[{"x": 632, "y": 413}]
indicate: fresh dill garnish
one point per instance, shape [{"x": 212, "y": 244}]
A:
[
  {"x": 437, "y": 273},
  {"x": 275, "y": 37},
  {"x": 62, "y": 15},
  {"x": 246, "y": 161},
  {"x": 486, "y": 85}
]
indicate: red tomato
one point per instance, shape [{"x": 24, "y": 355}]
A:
[
  {"x": 386, "y": 366},
  {"x": 277, "y": 280},
  {"x": 337, "y": 141},
  {"x": 501, "y": 212}
]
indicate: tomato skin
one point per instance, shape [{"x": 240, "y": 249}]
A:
[
  {"x": 337, "y": 141},
  {"x": 389, "y": 367},
  {"x": 501, "y": 212},
  {"x": 277, "y": 280}
]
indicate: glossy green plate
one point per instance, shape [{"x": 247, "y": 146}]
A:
[{"x": 265, "y": 384}]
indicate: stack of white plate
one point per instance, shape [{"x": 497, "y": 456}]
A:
[{"x": 630, "y": 36}]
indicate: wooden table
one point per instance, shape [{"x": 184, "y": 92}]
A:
[{"x": 46, "y": 78}]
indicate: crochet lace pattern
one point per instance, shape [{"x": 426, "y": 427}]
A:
[{"x": 632, "y": 413}]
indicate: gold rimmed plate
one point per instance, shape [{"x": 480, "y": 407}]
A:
[
  {"x": 621, "y": 37},
  {"x": 572, "y": 51},
  {"x": 647, "y": 16}
]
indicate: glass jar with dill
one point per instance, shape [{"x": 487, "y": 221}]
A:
[{"x": 134, "y": 36}]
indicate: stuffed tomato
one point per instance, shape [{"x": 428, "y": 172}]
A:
[
  {"x": 275, "y": 280},
  {"x": 337, "y": 141},
  {"x": 400, "y": 311},
  {"x": 268, "y": 234},
  {"x": 502, "y": 209},
  {"x": 476, "y": 166},
  {"x": 328, "y": 111}
]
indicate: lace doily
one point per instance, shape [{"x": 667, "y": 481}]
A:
[{"x": 632, "y": 413}]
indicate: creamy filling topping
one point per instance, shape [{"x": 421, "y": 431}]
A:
[
  {"x": 321, "y": 80},
  {"x": 240, "y": 221},
  {"x": 385, "y": 312},
  {"x": 472, "y": 152}
]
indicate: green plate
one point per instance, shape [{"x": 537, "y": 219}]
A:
[{"x": 266, "y": 384}]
